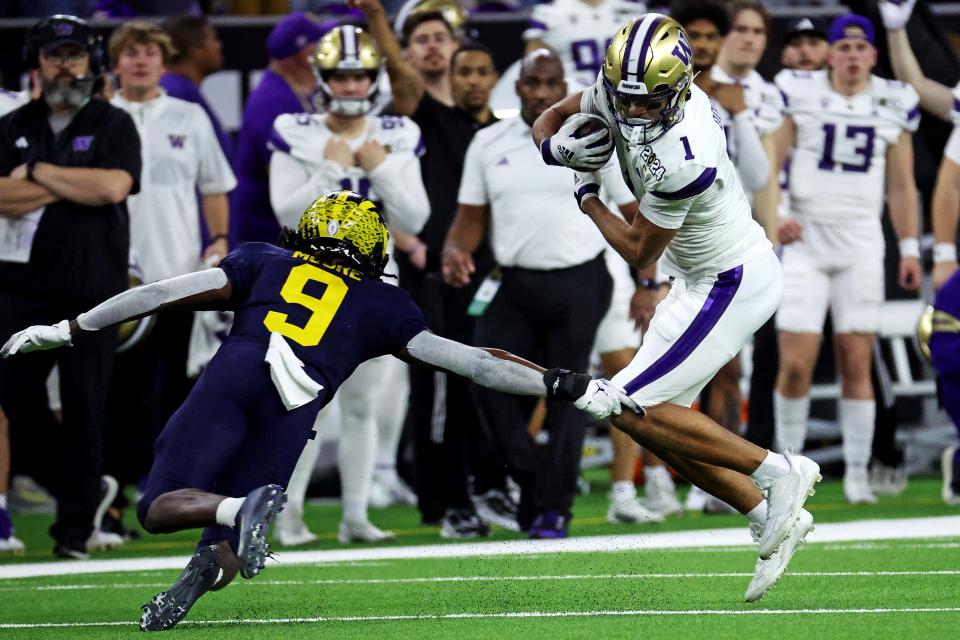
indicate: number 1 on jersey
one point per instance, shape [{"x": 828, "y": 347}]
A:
[
  {"x": 688, "y": 152},
  {"x": 323, "y": 308}
]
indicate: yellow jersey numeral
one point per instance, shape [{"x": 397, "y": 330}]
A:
[{"x": 323, "y": 308}]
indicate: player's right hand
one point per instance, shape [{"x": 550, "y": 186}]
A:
[
  {"x": 942, "y": 272},
  {"x": 338, "y": 151},
  {"x": 457, "y": 267},
  {"x": 789, "y": 231},
  {"x": 896, "y": 13},
  {"x": 39, "y": 337},
  {"x": 587, "y": 153}
]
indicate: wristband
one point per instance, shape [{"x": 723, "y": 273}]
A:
[
  {"x": 547, "y": 154},
  {"x": 944, "y": 252},
  {"x": 648, "y": 283},
  {"x": 909, "y": 248},
  {"x": 565, "y": 385}
]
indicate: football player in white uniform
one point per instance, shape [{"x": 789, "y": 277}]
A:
[
  {"x": 672, "y": 152},
  {"x": 939, "y": 100},
  {"x": 378, "y": 157},
  {"x": 850, "y": 133}
]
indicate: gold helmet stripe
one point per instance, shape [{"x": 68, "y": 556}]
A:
[{"x": 634, "y": 58}]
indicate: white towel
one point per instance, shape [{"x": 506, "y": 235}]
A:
[{"x": 293, "y": 384}]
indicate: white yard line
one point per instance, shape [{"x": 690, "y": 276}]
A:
[
  {"x": 504, "y": 614},
  {"x": 894, "y": 529},
  {"x": 443, "y": 579}
]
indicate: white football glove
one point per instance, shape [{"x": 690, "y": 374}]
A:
[
  {"x": 583, "y": 154},
  {"x": 896, "y": 13},
  {"x": 586, "y": 184},
  {"x": 603, "y": 399},
  {"x": 39, "y": 337}
]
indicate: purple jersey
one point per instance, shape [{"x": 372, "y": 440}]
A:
[{"x": 252, "y": 217}]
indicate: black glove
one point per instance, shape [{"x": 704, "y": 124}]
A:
[{"x": 565, "y": 385}]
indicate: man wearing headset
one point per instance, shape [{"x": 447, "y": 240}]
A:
[{"x": 68, "y": 161}]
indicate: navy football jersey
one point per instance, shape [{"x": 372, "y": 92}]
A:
[{"x": 333, "y": 317}]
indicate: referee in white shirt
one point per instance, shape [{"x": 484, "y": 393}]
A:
[
  {"x": 555, "y": 287},
  {"x": 182, "y": 163}
]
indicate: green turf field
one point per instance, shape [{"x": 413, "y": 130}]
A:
[{"x": 898, "y": 588}]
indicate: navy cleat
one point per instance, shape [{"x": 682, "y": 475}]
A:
[
  {"x": 256, "y": 515},
  {"x": 171, "y": 606}
]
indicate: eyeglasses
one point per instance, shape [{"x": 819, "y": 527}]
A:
[{"x": 67, "y": 59}]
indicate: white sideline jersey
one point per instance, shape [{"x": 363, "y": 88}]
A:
[
  {"x": 764, "y": 103},
  {"x": 580, "y": 34},
  {"x": 10, "y": 100},
  {"x": 837, "y": 168},
  {"x": 686, "y": 181},
  {"x": 181, "y": 155},
  {"x": 299, "y": 173}
]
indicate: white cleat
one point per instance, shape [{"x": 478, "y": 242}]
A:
[
  {"x": 290, "y": 530},
  {"x": 785, "y": 497},
  {"x": 389, "y": 490},
  {"x": 767, "y": 572},
  {"x": 362, "y": 531},
  {"x": 13, "y": 545},
  {"x": 888, "y": 481},
  {"x": 696, "y": 499},
  {"x": 629, "y": 510},
  {"x": 661, "y": 495},
  {"x": 949, "y": 496},
  {"x": 104, "y": 540},
  {"x": 856, "y": 487}
]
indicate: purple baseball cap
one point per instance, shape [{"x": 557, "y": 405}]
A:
[
  {"x": 838, "y": 30},
  {"x": 293, "y": 33}
]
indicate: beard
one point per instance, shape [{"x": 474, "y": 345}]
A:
[{"x": 67, "y": 91}]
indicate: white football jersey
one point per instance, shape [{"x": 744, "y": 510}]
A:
[
  {"x": 396, "y": 185},
  {"x": 763, "y": 99},
  {"x": 10, "y": 100},
  {"x": 837, "y": 169},
  {"x": 686, "y": 181},
  {"x": 580, "y": 34},
  {"x": 181, "y": 156}
]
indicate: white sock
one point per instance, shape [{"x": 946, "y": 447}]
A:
[
  {"x": 658, "y": 474},
  {"x": 391, "y": 412},
  {"x": 623, "y": 488},
  {"x": 358, "y": 437},
  {"x": 758, "y": 515},
  {"x": 790, "y": 422},
  {"x": 856, "y": 424},
  {"x": 3, "y": 501},
  {"x": 773, "y": 466},
  {"x": 227, "y": 511},
  {"x": 354, "y": 510},
  {"x": 300, "y": 478}
]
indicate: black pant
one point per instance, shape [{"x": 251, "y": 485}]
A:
[
  {"x": 76, "y": 445},
  {"x": 551, "y": 317},
  {"x": 763, "y": 380},
  {"x": 442, "y": 410},
  {"x": 149, "y": 383}
]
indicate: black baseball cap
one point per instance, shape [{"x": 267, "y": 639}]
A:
[
  {"x": 803, "y": 27},
  {"x": 58, "y": 30}
]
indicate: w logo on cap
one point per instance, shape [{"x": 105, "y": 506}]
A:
[
  {"x": 63, "y": 28},
  {"x": 176, "y": 141}
]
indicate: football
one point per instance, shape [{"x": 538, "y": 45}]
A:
[{"x": 592, "y": 124}]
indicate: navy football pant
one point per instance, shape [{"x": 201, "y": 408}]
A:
[
  {"x": 232, "y": 434},
  {"x": 945, "y": 348}
]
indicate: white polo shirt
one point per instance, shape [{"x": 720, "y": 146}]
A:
[
  {"x": 10, "y": 100},
  {"x": 181, "y": 155},
  {"x": 534, "y": 219}
]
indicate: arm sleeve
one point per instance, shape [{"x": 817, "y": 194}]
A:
[
  {"x": 241, "y": 265},
  {"x": 146, "y": 299},
  {"x": 669, "y": 202},
  {"x": 120, "y": 148},
  {"x": 215, "y": 175},
  {"x": 399, "y": 183},
  {"x": 473, "y": 183},
  {"x": 477, "y": 365},
  {"x": 912, "y": 108},
  {"x": 752, "y": 163},
  {"x": 293, "y": 188}
]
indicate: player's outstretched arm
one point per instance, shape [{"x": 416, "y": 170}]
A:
[
  {"x": 502, "y": 371},
  {"x": 946, "y": 215},
  {"x": 200, "y": 290},
  {"x": 902, "y": 204}
]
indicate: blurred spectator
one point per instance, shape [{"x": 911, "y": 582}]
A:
[
  {"x": 197, "y": 53},
  {"x": 450, "y": 103},
  {"x": 554, "y": 290},
  {"x": 180, "y": 157},
  {"x": 64, "y": 203},
  {"x": 378, "y": 157},
  {"x": 287, "y": 86},
  {"x": 134, "y": 8},
  {"x": 9, "y": 543}
]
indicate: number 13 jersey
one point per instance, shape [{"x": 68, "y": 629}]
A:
[{"x": 837, "y": 170}]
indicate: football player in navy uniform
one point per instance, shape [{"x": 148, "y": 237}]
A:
[{"x": 308, "y": 312}]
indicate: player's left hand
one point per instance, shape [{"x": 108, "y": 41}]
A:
[
  {"x": 604, "y": 399},
  {"x": 215, "y": 252},
  {"x": 586, "y": 184},
  {"x": 39, "y": 337},
  {"x": 910, "y": 273},
  {"x": 370, "y": 155},
  {"x": 642, "y": 306}
]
